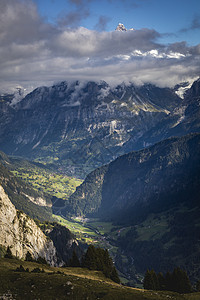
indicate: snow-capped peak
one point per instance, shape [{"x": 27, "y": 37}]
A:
[{"x": 121, "y": 27}]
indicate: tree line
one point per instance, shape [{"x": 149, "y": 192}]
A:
[
  {"x": 94, "y": 259},
  {"x": 176, "y": 281}
]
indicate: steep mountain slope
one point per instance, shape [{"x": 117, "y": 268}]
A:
[
  {"x": 48, "y": 240},
  {"x": 139, "y": 182},
  {"x": 22, "y": 234},
  {"x": 34, "y": 203},
  {"x": 154, "y": 197},
  {"x": 80, "y": 126},
  {"x": 188, "y": 118},
  {"x": 43, "y": 186}
]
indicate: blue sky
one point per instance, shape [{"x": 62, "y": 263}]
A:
[
  {"x": 46, "y": 41},
  {"x": 176, "y": 19}
]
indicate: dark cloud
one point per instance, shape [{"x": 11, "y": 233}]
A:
[
  {"x": 195, "y": 24},
  {"x": 102, "y": 23},
  {"x": 80, "y": 2},
  {"x": 74, "y": 18}
]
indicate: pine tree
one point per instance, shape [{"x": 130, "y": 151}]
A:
[
  {"x": 198, "y": 286},
  {"x": 181, "y": 282},
  {"x": 169, "y": 284},
  {"x": 74, "y": 261},
  {"x": 8, "y": 253},
  {"x": 147, "y": 281},
  {"x": 114, "y": 275},
  {"x": 161, "y": 281},
  {"x": 151, "y": 280},
  {"x": 89, "y": 260},
  {"x": 29, "y": 256},
  {"x": 99, "y": 259},
  {"x": 107, "y": 264},
  {"x": 186, "y": 287},
  {"x": 155, "y": 283}
]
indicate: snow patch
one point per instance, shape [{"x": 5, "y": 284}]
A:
[
  {"x": 18, "y": 96},
  {"x": 123, "y": 104},
  {"x": 156, "y": 54},
  {"x": 104, "y": 92},
  {"x": 182, "y": 89},
  {"x": 113, "y": 125}
]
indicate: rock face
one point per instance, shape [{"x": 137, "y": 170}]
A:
[
  {"x": 64, "y": 242},
  {"x": 80, "y": 126},
  {"x": 21, "y": 233}
]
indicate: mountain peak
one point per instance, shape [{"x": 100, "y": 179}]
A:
[{"x": 121, "y": 27}]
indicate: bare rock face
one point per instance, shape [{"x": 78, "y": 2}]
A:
[{"x": 21, "y": 233}]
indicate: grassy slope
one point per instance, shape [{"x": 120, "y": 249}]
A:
[
  {"x": 72, "y": 283},
  {"x": 92, "y": 232},
  {"x": 43, "y": 179}
]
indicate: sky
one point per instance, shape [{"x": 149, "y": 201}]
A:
[{"x": 46, "y": 41}]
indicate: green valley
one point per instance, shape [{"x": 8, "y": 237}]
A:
[{"x": 48, "y": 181}]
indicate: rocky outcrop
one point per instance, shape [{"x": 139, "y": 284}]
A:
[{"x": 21, "y": 233}]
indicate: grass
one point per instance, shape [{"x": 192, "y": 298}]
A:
[
  {"x": 69, "y": 283},
  {"x": 102, "y": 227},
  {"x": 91, "y": 232},
  {"x": 81, "y": 232},
  {"x": 47, "y": 181},
  {"x": 152, "y": 228}
]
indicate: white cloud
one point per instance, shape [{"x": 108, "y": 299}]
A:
[{"x": 34, "y": 53}]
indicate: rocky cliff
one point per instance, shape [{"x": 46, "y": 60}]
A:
[{"x": 21, "y": 233}]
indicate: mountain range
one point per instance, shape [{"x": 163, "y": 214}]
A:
[{"x": 77, "y": 127}]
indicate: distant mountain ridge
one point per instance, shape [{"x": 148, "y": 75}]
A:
[{"x": 77, "y": 126}]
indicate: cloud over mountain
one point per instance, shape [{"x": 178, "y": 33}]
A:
[{"x": 34, "y": 52}]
